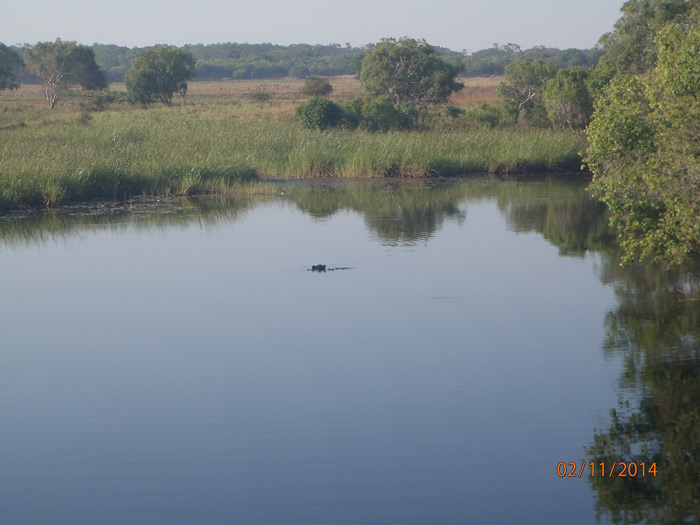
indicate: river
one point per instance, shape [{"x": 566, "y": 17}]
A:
[{"x": 176, "y": 362}]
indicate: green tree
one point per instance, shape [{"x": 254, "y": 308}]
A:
[
  {"x": 9, "y": 62},
  {"x": 62, "y": 64},
  {"x": 645, "y": 155},
  {"x": 524, "y": 86},
  {"x": 567, "y": 100},
  {"x": 408, "y": 70},
  {"x": 157, "y": 74},
  {"x": 380, "y": 114},
  {"x": 316, "y": 86},
  {"x": 629, "y": 48}
]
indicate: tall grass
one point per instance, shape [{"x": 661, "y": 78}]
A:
[{"x": 182, "y": 151}]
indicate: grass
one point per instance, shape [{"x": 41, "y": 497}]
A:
[{"x": 226, "y": 139}]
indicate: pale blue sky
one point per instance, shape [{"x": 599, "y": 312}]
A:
[{"x": 458, "y": 25}]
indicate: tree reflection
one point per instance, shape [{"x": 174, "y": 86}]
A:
[
  {"x": 403, "y": 215},
  {"x": 656, "y": 330}
]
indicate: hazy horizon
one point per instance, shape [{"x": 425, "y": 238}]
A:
[{"x": 471, "y": 25}]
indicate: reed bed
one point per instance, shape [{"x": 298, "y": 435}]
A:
[{"x": 191, "y": 149}]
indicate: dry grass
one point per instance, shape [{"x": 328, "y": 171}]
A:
[
  {"x": 478, "y": 90},
  {"x": 241, "y": 99}
]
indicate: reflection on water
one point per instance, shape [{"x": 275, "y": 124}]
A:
[
  {"x": 173, "y": 361},
  {"x": 655, "y": 328}
]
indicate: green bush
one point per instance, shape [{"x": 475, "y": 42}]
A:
[
  {"x": 319, "y": 113},
  {"x": 316, "y": 86},
  {"x": 379, "y": 114},
  {"x": 452, "y": 111},
  {"x": 490, "y": 117},
  {"x": 352, "y": 112}
]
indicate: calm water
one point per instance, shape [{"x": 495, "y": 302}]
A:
[{"x": 184, "y": 366}]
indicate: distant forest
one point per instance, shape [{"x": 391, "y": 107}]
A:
[{"x": 233, "y": 60}]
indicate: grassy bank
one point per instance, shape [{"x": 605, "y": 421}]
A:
[{"x": 220, "y": 147}]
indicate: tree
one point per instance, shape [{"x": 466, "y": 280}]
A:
[
  {"x": 157, "y": 74},
  {"x": 567, "y": 100},
  {"x": 524, "y": 86},
  {"x": 630, "y": 47},
  {"x": 317, "y": 86},
  {"x": 9, "y": 62},
  {"x": 645, "y": 155},
  {"x": 408, "y": 70},
  {"x": 62, "y": 64}
]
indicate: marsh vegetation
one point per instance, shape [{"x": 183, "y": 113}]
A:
[{"x": 235, "y": 135}]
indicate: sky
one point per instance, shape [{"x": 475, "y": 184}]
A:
[{"x": 455, "y": 24}]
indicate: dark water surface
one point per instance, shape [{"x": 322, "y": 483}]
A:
[{"x": 184, "y": 366}]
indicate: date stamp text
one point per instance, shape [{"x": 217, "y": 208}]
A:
[{"x": 619, "y": 469}]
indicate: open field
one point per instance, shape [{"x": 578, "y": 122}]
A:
[{"x": 225, "y": 137}]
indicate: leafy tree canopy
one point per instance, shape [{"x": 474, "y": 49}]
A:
[
  {"x": 630, "y": 48},
  {"x": 157, "y": 74},
  {"x": 408, "y": 71},
  {"x": 9, "y": 62},
  {"x": 644, "y": 151},
  {"x": 317, "y": 86},
  {"x": 567, "y": 100},
  {"x": 61, "y": 64},
  {"x": 524, "y": 86}
]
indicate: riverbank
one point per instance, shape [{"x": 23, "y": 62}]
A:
[{"x": 200, "y": 147}]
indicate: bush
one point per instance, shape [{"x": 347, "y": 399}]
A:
[
  {"x": 452, "y": 111},
  {"x": 316, "y": 86},
  {"x": 319, "y": 113},
  {"x": 490, "y": 117},
  {"x": 352, "y": 113},
  {"x": 379, "y": 114}
]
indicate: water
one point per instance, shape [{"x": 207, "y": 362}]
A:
[{"x": 185, "y": 366}]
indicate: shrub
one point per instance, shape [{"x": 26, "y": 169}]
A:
[
  {"x": 379, "y": 114},
  {"x": 490, "y": 117},
  {"x": 352, "y": 112},
  {"x": 452, "y": 111},
  {"x": 319, "y": 113},
  {"x": 316, "y": 86}
]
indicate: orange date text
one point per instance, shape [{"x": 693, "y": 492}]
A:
[{"x": 616, "y": 469}]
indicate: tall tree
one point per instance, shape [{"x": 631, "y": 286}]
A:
[
  {"x": 644, "y": 151},
  {"x": 9, "y": 61},
  {"x": 158, "y": 73},
  {"x": 524, "y": 85},
  {"x": 567, "y": 100},
  {"x": 630, "y": 48},
  {"x": 408, "y": 70},
  {"x": 62, "y": 64}
]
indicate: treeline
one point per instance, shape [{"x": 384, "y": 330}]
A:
[
  {"x": 493, "y": 61},
  {"x": 257, "y": 61}
]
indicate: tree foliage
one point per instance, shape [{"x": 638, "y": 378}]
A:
[
  {"x": 645, "y": 154},
  {"x": 9, "y": 62},
  {"x": 316, "y": 86},
  {"x": 630, "y": 48},
  {"x": 493, "y": 61},
  {"x": 61, "y": 64},
  {"x": 157, "y": 74},
  {"x": 524, "y": 86},
  {"x": 567, "y": 100},
  {"x": 408, "y": 70}
]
